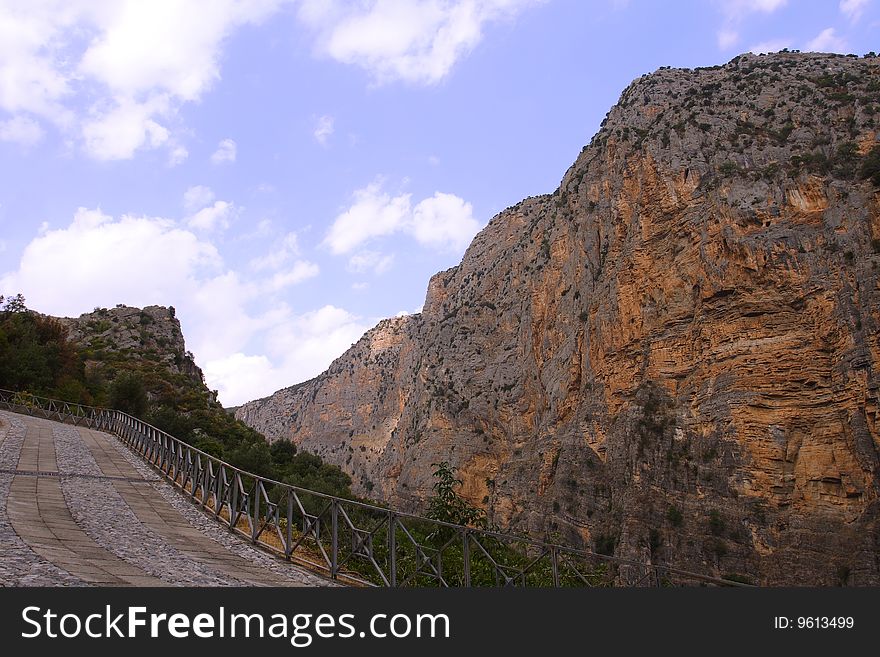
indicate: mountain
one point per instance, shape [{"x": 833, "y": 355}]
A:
[{"x": 673, "y": 357}]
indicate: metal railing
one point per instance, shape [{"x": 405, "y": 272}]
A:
[{"x": 350, "y": 540}]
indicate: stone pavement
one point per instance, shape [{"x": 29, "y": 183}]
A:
[{"x": 77, "y": 508}]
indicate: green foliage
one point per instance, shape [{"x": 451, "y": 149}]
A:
[
  {"x": 545, "y": 248},
  {"x": 846, "y": 159},
  {"x": 282, "y": 451},
  {"x": 673, "y": 515},
  {"x": 128, "y": 394},
  {"x": 35, "y": 354},
  {"x": 254, "y": 457},
  {"x": 655, "y": 417},
  {"x": 870, "y": 169},
  {"x": 447, "y": 505},
  {"x": 309, "y": 471},
  {"x": 728, "y": 168},
  {"x": 718, "y": 548}
]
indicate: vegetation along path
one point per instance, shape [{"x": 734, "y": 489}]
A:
[{"x": 78, "y": 509}]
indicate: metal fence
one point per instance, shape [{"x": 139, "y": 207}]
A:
[{"x": 352, "y": 541}]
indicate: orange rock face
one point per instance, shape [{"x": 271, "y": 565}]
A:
[{"x": 675, "y": 353}]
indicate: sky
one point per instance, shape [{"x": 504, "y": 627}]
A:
[{"x": 286, "y": 173}]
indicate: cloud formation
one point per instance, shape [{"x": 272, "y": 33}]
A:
[
  {"x": 21, "y": 130},
  {"x": 99, "y": 260},
  {"x": 735, "y": 12},
  {"x": 827, "y": 41},
  {"x": 853, "y": 9},
  {"x": 298, "y": 347},
  {"x": 373, "y": 261},
  {"x": 443, "y": 221},
  {"x": 213, "y": 217},
  {"x": 226, "y": 152},
  {"x": 323, "y": 129},
  {"x": 417, "y": 41},
  {"x": 114, "y": 72}
]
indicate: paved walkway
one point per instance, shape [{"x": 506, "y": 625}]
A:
[{"x": 77, "y": 508}]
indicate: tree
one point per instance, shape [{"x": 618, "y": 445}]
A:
[
  {"x": 14, "y": 304},
  {"x": 449, "y": 506},
  {"x": 35, "y": 354},
  {"x": 282, "y": 451},
  {"x": 128, "y": 394}
]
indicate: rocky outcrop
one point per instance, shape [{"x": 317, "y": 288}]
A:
[
  {"x": 133, "y": 335},
  {"x": 673, "y": 357}
]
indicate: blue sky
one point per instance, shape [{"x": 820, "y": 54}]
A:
[{"x": 287, "y": 172}]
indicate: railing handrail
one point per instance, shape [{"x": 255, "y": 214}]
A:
[{"x": 106, "y": 418}]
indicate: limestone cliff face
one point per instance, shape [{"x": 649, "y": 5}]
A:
[{"x": 673, "y": 356}]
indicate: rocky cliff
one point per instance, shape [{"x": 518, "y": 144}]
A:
[
  {"x": 149, "y": 340},
  {"x": 672, "y": 357}
]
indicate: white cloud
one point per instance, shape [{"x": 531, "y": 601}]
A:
[
  {"x": 124, "y": 128},
  {"x": 738, "y": 9},
  {"x": 727, "y": 38},
  {"x": 130, "y": 63},
  {"x": 373, "y": 261},
  {"x": 141, "y": 261},
  {"x": 736, "y": 12},
  {"x": 214, "y": 217},
  {"x": 373, "y": 214},
  {"x": 299, "y": 347},
  {"x": 418, "y": 41},
  {"x": 323, "y": 129},
  {"x": 286, "y": 249},
  {"x": 774, "y": 45},
  {"x": 31, "y": 76},
  {"x": 853, "y": 9},
  {"x": 301, "y": 270},
  {"x": 177, "y": 155},
  {"x": 102, "y": 261},
  {"x": 827, "y": 41},
  {"x": 22, "y": 130},
  {"x": 197, "y": 197},
  {"x": 226, "y": 152},
  {"x": 443, "y": 221}
]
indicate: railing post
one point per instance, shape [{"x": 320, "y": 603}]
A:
[
  {"x": 554, "y": 564},
  {"x": 255, "y": 521},
  {"x": 466, "y": 556},
  {"x": 289, "y": 533},
  {"x": 392, "y": 547},
  {"x": 233, "y": 505},
  {"x": 334, "y": 538}
]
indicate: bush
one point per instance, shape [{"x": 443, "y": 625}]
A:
[
  {"x": 716, "y": 522},
  {"x": 128, "y": 394},
  {"x": 447, "y": 505},
  {"x": 605, "y": 544},
  {"x": 673, "y": 515},
  {"x": 35, "y": 355},
  {"x": 282, "y": 451},
  {"x": 871, "y": 166}
]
